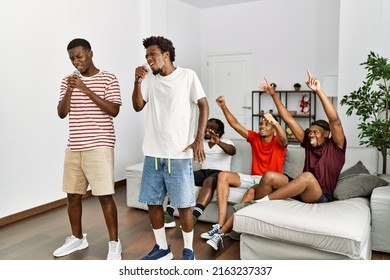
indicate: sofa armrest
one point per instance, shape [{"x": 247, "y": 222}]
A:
[{"x": 133, "y": 183}]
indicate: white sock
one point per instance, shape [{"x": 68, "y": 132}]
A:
[
  {"x": 265, "y": 198},
  {"x": 161, "y": 238},
  {"x": 188, "y": 238}
]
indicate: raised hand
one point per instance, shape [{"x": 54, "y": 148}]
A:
[
  {"x": 214, "y": 137},
  {"x": 220, "y": 101},
  {"x": 141, "y": 72},
  {"x": 270, "y": 90},
  {"x": 312, "y": 82},
  {"x": 270, "y": 119}
]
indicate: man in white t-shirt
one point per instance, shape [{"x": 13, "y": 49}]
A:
[
  {"x": 173, "y": 95},
  {"x": 219, "y": 152}
]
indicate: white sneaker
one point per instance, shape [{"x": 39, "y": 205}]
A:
[
  {"x": 169, "y": 221},
  {"x": 216, "y": 229},
  {"x": 114, "y": 250},
  {"x": 215, "y": 241},
  {"x": 71, "y": 245}
]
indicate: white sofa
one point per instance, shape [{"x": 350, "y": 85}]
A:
[
  {"x": 289, "y": 229},
  {"x": 341, "y": 229}
]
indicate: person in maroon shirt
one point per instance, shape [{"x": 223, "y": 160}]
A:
[{"x": 325, "y": 145}]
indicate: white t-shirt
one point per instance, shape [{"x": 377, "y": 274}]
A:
[
  {"x": 216, "y": 158},
  {"x": 171, "y": 118}
]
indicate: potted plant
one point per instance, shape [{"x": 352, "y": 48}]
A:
[
  {"x": 371, "y": 103},
  {"x": 297, "y": 86}
]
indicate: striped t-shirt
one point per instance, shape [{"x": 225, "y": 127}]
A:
[{"x": 89, "y": 126}]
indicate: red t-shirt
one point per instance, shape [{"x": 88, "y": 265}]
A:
[
  {"x": 325, "y": 162},
  {"x": 266, "y": 156}
]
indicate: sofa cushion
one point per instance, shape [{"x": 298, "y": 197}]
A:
[
  {"x": 293, "y": 164},
  {"x": 242, "y": 160},
  {"x": 341, "y": 227},
  {"x": 357, "y": 185},
  {"x": 358, "y": 168}
]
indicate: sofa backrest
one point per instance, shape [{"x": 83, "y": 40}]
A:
[
  {"x": 242, "y": 160},
  {"x": 369, "y": 156}
]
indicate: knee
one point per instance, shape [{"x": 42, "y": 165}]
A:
[
  {"x": 269, "y": 177},
  {"x": 223, "y": 176},
  {"x": 105, "y": 200},
  {"x": 307, "y": 177},
  {"x": 74, "y": 199}
]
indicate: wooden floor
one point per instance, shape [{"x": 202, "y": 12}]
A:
[{"x": 37, "y": 237}]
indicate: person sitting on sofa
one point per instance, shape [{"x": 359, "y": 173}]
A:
[
  {"x": 268, "y": 153},
  {"x": 219, "y": 154},
  {"x": 325, "y": 145}
]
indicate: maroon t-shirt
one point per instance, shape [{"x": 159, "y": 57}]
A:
[{"x": 324, "y": 162}]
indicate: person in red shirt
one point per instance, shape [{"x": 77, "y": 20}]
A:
[{"x": 268, "y": 153}]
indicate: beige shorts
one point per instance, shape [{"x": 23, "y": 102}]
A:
[{"x": 93, "y": 167}]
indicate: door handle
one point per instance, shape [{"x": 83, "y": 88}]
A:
[{"x": 246, "y": 107}]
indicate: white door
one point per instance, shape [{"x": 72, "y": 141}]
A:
[{"x": 231, "y": 76}]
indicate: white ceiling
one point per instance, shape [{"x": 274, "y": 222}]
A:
[{"x": 203, "y": 4}]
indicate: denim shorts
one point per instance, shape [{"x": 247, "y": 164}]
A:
[
  {"x": 167, "y": 176},
  {"x": 248, "y": 181},
  {"x": 325, "y": 197}
]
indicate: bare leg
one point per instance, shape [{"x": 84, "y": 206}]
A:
[
  {"x": 207, "y": 191},
  {"x": 110, "y": 215},
  {"x": 270, "y": 182},
  {"x": 228, "y": 226},
  {"x": 276, "y": 186},
  {"x": 156, "y": 216},
  {"x": 226, "y": 179},
  {"x": 249, "y": 194},
  {"x": 74, "y": 208},
  {"x": 185, "y": 216}
]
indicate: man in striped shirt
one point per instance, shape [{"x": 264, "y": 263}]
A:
[{"x": 91, "y": 97}]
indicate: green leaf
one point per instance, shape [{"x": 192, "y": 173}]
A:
[{"x": 370, "y": 103}]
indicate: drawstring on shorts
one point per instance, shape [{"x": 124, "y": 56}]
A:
[{"x": 156, "y": 165}]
